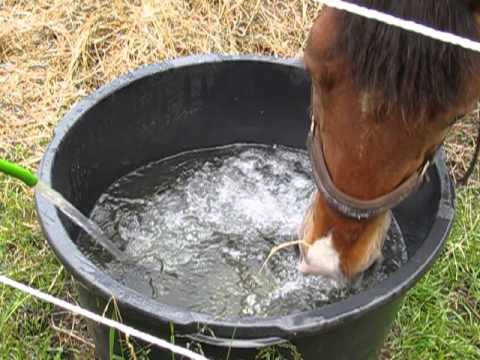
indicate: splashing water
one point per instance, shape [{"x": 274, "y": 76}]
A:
[
  {"x": 201, "y": 223},
  {"x": 78, "y": 218}
]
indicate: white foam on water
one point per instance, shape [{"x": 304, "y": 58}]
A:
[{"x": 201, "y": 224}]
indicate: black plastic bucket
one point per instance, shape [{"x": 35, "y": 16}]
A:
[{"x": 204, "y": 101}]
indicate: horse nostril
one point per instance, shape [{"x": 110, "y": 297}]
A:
[{"x": 303, "y": 267}]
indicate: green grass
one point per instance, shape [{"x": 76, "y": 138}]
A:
[
  {"x": 440, "y": 318},
  {"x": 27, "y": 325}
]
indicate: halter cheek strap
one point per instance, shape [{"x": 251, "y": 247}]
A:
[{"x": 347, "y": 205}]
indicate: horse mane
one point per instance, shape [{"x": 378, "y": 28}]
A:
[{"x": 408, "y": 72}]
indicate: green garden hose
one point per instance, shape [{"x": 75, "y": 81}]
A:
[
  {"x": 18, "y": 172},
  {"x": 22, "y": 174}
]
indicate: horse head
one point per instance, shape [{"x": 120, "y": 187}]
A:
[{"x": 383, "y": 100}]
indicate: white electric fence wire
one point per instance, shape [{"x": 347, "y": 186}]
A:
[
  {"x": 403, "y": 24},
  {"x": 127, "y": 330},
  {"x": 338, "y": 4}
]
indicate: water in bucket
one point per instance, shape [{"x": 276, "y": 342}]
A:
[{"x": 200, "y": 224}]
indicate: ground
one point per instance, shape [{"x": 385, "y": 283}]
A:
[{"x": 53, "y": 52}]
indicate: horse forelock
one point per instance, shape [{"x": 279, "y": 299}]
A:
[{"x": 407, "y": 72}]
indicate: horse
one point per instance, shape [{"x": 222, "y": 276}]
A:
[{"x": 382, "y": 102}]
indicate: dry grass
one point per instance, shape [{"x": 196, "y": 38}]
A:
[
  {"x": 53, "y": 52},
  {"x": 460, "y": 147}
]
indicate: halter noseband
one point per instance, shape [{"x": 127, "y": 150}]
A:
[{"x": 347, "y": 205}]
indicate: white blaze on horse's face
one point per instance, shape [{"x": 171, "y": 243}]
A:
[{"x": 321, "y": 259}]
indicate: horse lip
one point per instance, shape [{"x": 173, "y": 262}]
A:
[
  {"x": 305, "y": 268},
  {"x": 302, "y": 266}
]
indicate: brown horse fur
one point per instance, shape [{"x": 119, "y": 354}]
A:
[{"x": 383, "y": 100}]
